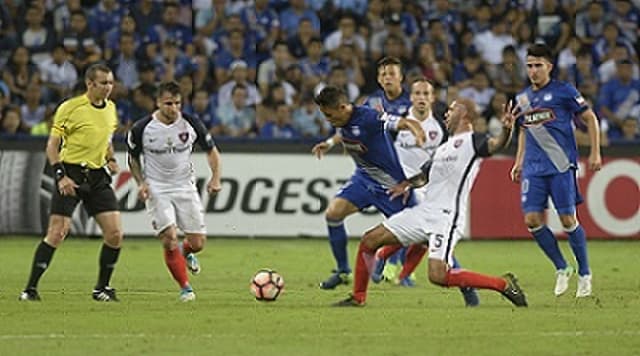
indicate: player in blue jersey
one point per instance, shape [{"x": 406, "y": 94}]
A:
[
  {"x": 364, "y": 133},
  {"x": 546, "y": 163}
]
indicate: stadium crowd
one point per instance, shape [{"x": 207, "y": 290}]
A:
[{"x": 251, "y": 68}]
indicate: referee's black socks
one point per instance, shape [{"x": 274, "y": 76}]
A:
[
  {"x": 108, "y": 259},
  {"x": 41, "y": 259}
]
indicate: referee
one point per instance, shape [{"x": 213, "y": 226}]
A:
[{"x": 79, "y": 149}]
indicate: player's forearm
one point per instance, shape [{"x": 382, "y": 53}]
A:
[
  {"x": 498, "y": 143},
  {"x": 520, "y": 149},
  {"x": 213, "y": 158},
  {"x": 110, "y": 153},
  {"x": 593, "y": 130},
  {"x": 135, "y": 169}
]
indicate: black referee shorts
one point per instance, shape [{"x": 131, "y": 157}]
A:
[{"x": 94, "y": 190}]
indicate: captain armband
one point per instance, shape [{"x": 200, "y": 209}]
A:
[{"x": 58, "y": 171}]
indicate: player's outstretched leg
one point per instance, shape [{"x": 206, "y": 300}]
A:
[
  {"x": 469, "y": 294},
  {"x": 192, "y": 244},
  {"x": 506, "y": 285}
]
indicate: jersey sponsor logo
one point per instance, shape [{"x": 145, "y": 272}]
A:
[
  {"x": 183, "y": 136},
  {"x": 538, "y": 117}
]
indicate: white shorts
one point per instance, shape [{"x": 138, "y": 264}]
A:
[
  {"x": 420, "y": 225},
  {"x": 180, "y": 208}
]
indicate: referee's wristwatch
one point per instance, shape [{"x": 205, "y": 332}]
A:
[{"x": 58, "y": 171}]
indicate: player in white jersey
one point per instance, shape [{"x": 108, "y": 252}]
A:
[
  {"x": 440, "y": 220},
  {"x": 166, "y": 181}
]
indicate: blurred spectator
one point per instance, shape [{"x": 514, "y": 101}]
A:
[
  {"x": 408, "y": 22},
  {"x": 444, "y": 45},
  {"x": 590, "y": 22},
  {"x": 374, "y": 17},
  {"x": 480, "y": 90},
  {"x": 627, "y": 17},
  {"x": 393, "y": 28},
  {"x": 441, "y": 11},
  {"x": 265, "y": 22},
  {"x": 607, "y": 69},
  {"x": 618, "y": 97},
  {"x": 169, "y": 29},
  {"x": 610, "y": 39},
  {"x": 44, "y": 127},
  {"x": 493, "y": 114},
  {"x": 202, "y": 109},
  {"x": 524, "y": 37},
  {"x": 7, "y": 33},
  {"x": 308, "y": 120},
  {"x": 32, "y": 111},
  {"x": 299, "y": 42},
  {"x": 239, "y": 76},
  {"x": 125, "y": 64},
  {"x": 584, "y": 73},
  {"x": 171, "y": 63},
  {"x": 11, "y": 122},
  {"x": 146, "y": 14},
  {"x": 552, "y": 24},
  {"x": 290, "y": 17},
  {"x": 338, "y": 77},
  {"x": 127, "y": 27},
  {"x": 315, "y": 66},
  {"x": 236, "y": 51},
  {"x": 509, "y": 76},
  {"x": 281, "y": 127},
  {"x": 346, "y": 56},
  {"x": 143, "y": 102},
  {"x": 105, "y": 17},
  {"x": 59, "y": 75},
  {"x": 235, "y": 117},
  {"x": 568, "y": 57},
  {"x": 480, "y": 125},
  {"x": 210, "y": 18},
  {"x": 273, "y": 69},
  {"x": 18, "y": 73},
  {"x": 630, "y": 132},
  {"x": 80, "y": 43},
  {"x": 345, "y": 34},
  {"x": 491, "y": 42},
  {"x": 463, "y": 72},
  {"x": 36, "y": 37}
]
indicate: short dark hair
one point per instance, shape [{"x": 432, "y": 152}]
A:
[
  {"x": 90, "y": 74},
  {"x": 540, "y": 50},
  {"x": 388, "y": 61},
  {"x": 238, "y": 86},
  {"x": 170, "y": 87},
  {"x": 331, "y": 96}
]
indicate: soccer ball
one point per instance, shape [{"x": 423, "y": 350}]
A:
[{"x": 267, "y": 285}]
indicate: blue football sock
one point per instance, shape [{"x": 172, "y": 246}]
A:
[
  {"x": 338, "y": 241},
  {"x": 456, "y": 264},
  {"x": 578, "y": 243},
  {"x": 398, "y": 257},
  {"x": 548, "y": 243}
]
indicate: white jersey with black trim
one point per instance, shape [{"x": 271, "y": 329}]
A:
[
  {"x": 166, "y": 150},
  {"x": 411, "y": 156},
  {"x": 451, "y": 175}
]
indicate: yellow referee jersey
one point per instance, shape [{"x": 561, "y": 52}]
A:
[{"x": 85, "y": 130}]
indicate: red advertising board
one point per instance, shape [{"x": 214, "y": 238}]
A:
[{"x": 611, "y": 208}]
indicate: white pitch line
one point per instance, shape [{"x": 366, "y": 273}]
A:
[{"x": 572, "y": 333}]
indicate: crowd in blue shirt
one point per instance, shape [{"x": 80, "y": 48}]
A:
[{"x": 250, "y": 68}]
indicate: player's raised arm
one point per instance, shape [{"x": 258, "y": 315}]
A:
[{"x": 508, "y": 119}]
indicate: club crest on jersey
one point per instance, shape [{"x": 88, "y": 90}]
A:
[
  {"x": 538, "y": 117},
  {"x": 433, "y": 134},
  {"x": 355, "y": 130},
  {"x": 457, "y": 143},
  {"x": 547, "y": 97},
  {"x": 183, "y": 136}
]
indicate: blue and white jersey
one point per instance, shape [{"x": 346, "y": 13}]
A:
[
  {"x": 398, "y": 106},
  {"x": 550, "y": 144},
  {"x": 366, "y": 139}
]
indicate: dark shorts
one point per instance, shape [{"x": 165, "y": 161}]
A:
[
  {"x": 94, "y": 191},
  {"x": 363, "y": 192}
]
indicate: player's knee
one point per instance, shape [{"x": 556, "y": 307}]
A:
[
  {"x": 56, "y": 234},
  {"x": 113, "y": 236},
  {"x": 568, "y": 221},
  {"x": 332, "y": 214},
  {"x": 437, "y": 277},
  {"x": 197, "y": 243},
  {"x": 169, "y": 241},
  {"x": 533, "y": 221}
]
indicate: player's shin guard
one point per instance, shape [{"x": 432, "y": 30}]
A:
[
  {"x": 414, "y": 256},
  {"x": 365, "y": 263},
  {"x": 108, "y": 259},
  {"x": 338, "y": 241},
  {"x": 548, "y": 243},
  {"x": 578, "y": 243},
  {"x": 465, "y": 278},
  {"x": 177, "y": 266},
  {"x": 41, "y": 260}
]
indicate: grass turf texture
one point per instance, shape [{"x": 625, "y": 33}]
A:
[{"x": 225, "y": 319}]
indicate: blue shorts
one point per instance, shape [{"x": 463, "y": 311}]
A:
[
  {"x": 562, "y": 188},
  {"x": 364, "y": 192}
]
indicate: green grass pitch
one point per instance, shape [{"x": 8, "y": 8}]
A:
[{"x": 226, "y": 320}]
